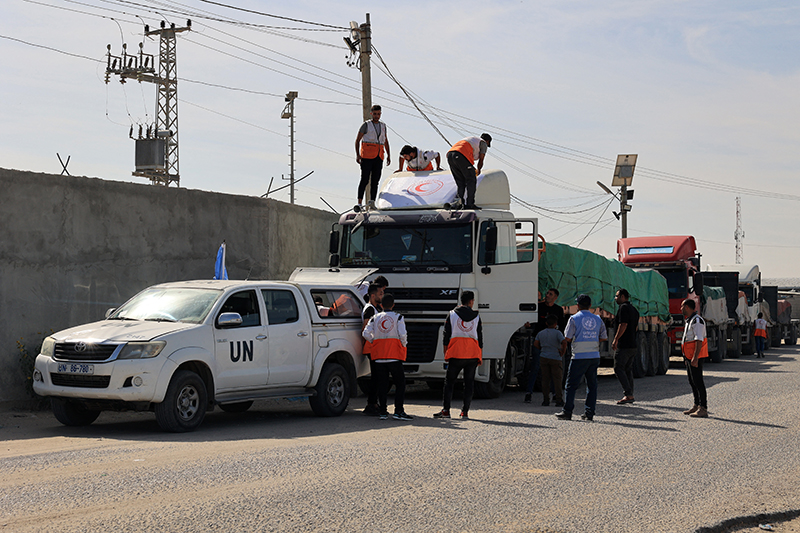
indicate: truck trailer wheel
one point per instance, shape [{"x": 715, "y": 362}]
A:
[
  {"x": 640, "y": 362},
  {"x": 71, "y": 413},
  {"x": 715, "y": 355},
  {"x": 775, "y": 336},
  {"x": 736, "y": 348},
  {"x": 497, "y": 380},
  {"x": 792, "y": 337},
  {"x": 663, "y": 353},
  {"x": 750, "y": 347},
  {"x": 184, "y": 406},
  {"x": 333, "y": 391},
  {"x": 652, "y": 353}
]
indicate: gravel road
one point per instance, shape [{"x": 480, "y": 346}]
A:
[{"x": 513, "y": 467}]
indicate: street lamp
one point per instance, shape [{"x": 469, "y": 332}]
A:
[{"x": 623, "y": 178}]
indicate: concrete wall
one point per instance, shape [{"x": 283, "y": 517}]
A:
[{"x": 71, "y": 247}]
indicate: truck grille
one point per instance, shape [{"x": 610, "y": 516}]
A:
[
  {"x": 83, "y": 351},
  {"x": 76, "y": 380},
  {"x": 422, "y": 339}
]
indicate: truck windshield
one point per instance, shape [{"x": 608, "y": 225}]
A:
[
  {"x": 676, "y": 283},
  {"x": 168, "y": 305},
  {"x": 446, "y": 246}
]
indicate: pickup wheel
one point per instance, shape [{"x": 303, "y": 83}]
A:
[
  {"x": 185, "y": 404},
  {"x": 238, "y": 407},
  {"x": 72, "y": 413},
  {"x": 333, "y": 391}
]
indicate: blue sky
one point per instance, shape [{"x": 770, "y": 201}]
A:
[{"x": 703, "y": 90}]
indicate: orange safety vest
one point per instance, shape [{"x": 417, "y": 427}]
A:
[
  {"x": 463, "y": 339},
  {"x": 469, "y": 148},
  {"x": 761, "y": 326},
  {"x": 373, "y": 140},
  {"x": 385, "y": 329},
  {"x": 366, "y": 349},
  {"x": 688, "y": 347}
]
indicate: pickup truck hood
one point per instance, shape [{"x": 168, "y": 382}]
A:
[{"x": 120, "y": 331}]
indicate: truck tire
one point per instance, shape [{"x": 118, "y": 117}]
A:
[
  {"x": 723, "y": 345},
  {"x": 749, "y": 348},
  {"x": 775, "y": 337},
  {"x": 71, "y": 413},
  {"x": 715, "y": 355},
  {"x": 238, "y": 407},
  {"x": 663, "y": 353},
  {"x": 497, "y": 380},
  {"x": 184, "y": 406},
  {"x": 333, "y": 391},
  {"x": 640, "y": 362},
  {"x": 652, "y": 354},
  {"x": 736, "y": 344},
  {"x": 792, "y": 340}
]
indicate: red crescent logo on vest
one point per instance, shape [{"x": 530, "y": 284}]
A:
[
  {"x": 425, "y": 188},
  {"x": 464, "y": 326},
  {"x": 386, "y": 324}
]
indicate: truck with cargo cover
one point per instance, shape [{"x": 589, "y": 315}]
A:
[{"x": 180, "y": 349}]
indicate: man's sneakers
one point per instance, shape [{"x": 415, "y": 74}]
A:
[
  {"x": 444, "y": 413},
  {"x": 701, "y": 412},
  {"x": 691, "y": 411},
  {"x": 402, "y": 416},
  {"x": 587, "y": 416},
  {"x": 371, "y": 410},
  {"x": 625, "y": 399},
  {"x": 464, "y": 415},
  {"x": 563, "y": 415},
  {"x": 384, "y": 416},
  {"x": 528, "y": 398}
]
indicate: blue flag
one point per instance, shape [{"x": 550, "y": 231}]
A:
[{"x": 220, "y": 272}]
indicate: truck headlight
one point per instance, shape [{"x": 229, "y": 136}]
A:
[
  {"x": 141, "y": 350},
  {"x": 48, "y": 346}
]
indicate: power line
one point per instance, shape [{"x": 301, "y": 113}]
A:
[{"x": 274, "y": 16}]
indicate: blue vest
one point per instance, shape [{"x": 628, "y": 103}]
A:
[{"x": 589, "y": 329}]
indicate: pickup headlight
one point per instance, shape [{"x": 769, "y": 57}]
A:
[
  {"x": 48, "y": 346},
  {"x": 141, "y": 350}
]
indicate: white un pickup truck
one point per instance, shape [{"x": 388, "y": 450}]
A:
[{"x": 181, "y": 348}]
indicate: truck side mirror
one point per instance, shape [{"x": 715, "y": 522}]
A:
[
  {"x": 333, "y": 260},
  {"x": 333, "y": 244},
  {"x": 698, "y": 283},
  {"x": 489, "y": 248}
]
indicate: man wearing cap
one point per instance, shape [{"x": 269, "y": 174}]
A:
[
  {"x": 584, "y": 332},
  {"x": 461, "y": 158}
]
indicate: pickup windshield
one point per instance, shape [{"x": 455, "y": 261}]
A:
[
  {"x": 448, "y": 247},
  {"x": 168, "y": 305}
]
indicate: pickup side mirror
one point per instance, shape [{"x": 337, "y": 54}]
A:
[
  {"x": 698, "y": 283},
  {"x": 229, "y": 320},
  {"x": 333, "y": 244}
]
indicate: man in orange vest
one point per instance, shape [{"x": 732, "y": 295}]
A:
[
  {"x": 694, "y": 346},
  {"x": 370, "y": 144},
  {"x": 461, "y": 158},
  {"x": 373, "y": 307},
  {"x": 387, "y": 333},
  {"x": 417, "y": 161},
  {"x": 463, "y": 342},
  {"x": 761, "y": 335}
]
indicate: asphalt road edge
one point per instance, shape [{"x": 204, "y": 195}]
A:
[{"x": 733, "y": 524}]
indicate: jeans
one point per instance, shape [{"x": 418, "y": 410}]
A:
[
  {"x": 696, "y": 381},
  {"x": 533, "y": 372},
  {"x": 381, "y": 377},
  {"x": 454, "y": 367},
  {"x": 623, "y": 368},
  {"x": 579, "y": 368},
  {"x": 760, "y": 342}
]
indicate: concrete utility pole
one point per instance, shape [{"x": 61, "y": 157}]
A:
[
  {"x": 288, "y": 112},
  {"x": 157, "y": 151},
  {"x": 366, "y": 72},
  {"x": 738, "y": 235}
]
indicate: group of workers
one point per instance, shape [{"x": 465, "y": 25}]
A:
[
  {"x": 372, "y": 146},
  {"x": 386, "y": 340}
]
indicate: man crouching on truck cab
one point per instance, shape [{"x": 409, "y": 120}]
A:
[
  {"x": 584, "y": 332},
  {"x": 694, "y": 346},
  {"x": 463, "y": 342}
]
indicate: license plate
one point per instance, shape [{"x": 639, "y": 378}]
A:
[{"x": 74, "y": 368}]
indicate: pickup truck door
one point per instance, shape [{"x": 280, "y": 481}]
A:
[
  {"x": 241, "y": 351},
  {"x": 290, "y": 338}
]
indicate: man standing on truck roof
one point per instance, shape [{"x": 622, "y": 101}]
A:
[
  {"x": 584, "y": 332},
  {"x": 760, "y": 335},
  {"x": 461, "y": 158},
  {"x": 694, "y": 346},
  {"x": 373, "y": 307},
  {"x": 370, "y": 144},
  {"x": 418, "y": 161},
  {"x": 463, "y": 344},
  {"x": 624, "y": 344}
]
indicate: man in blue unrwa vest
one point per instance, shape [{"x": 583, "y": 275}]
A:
[{"x": 584, "y": 332}]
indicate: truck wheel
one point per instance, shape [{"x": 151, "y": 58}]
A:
[
  {"x": 184, "y": 406},
  {"x": 71, "y": 413},
  {"x": 736, "y": 343},
  {"x": 333, "y": 391},
  {"x": 775, "y": 336},
  {"x": 640, "y": 361},
  {"x": 723, "y": 344},
  {"x": 663, "y": 353},
  {"x": 750, "y": 347},
  {"x": 716, "y": 355},
  {"x": 792, "y": 337},
  {"x": 652, "y": 352},
  {"x": 238, "y": 407},
  {"x": 497, "y": 380}
]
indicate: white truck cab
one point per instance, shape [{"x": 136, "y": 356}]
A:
[{"x": 181, "y": 348}]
